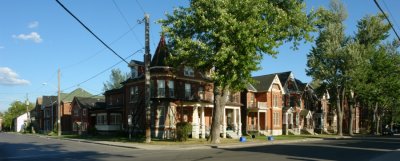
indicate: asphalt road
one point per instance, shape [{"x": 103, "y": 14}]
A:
[{"x": 27, "y": 147}]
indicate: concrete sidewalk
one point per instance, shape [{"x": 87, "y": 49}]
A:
[{"x": 191, "y": 146}]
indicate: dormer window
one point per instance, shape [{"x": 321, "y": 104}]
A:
[
  {"x": 188, "y": 71},
  {"x": 134, "y": 72}
]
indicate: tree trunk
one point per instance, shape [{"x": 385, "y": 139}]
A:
[
  {"x": 376, "y": 119},
  {"x": 339, "y": 113},
  {"x": 217, "y": 118},
  {"x": 351, "y": 118}
]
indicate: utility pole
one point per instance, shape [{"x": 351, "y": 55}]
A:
[
  {"x": 147, "y": 58},
  {"x": 58, "y": 105},
  {"x": 27, "y": 110}
]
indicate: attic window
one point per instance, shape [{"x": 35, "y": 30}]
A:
[
  {"x": 188, "y": 71},
  {"x": 134, "y": 72}
]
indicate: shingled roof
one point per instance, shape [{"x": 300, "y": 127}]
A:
[
  {"x": 79, "y": 92},
  {"x": 48, "y": 101},
  {"x": 263, "y": 82},
  {"x": 90, "y": 102},
  {"x": 283, "y": 77},
  {"x": 161, "y": 54}
]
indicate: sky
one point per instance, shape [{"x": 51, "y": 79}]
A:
[{"x": 38, "y": 37}]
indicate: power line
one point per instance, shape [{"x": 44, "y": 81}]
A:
[
  {"x": 377, "y": 4},
  {"x": 102, "y": 71},
  {"x": 98, "y": 52},
  {"x": 391, "y": 15},
  {"x": 127, "y": 22},
  {"x": 140, "y": 6},
  {"x": 90, "y": 31}
]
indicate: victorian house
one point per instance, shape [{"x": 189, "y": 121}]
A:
[
  {"x": 84, "y": 113},
  {"x": 181, "y": 94},
  {"x": 262, "y": 105}
]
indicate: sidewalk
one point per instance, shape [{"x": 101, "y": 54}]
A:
[{"x": 191, "y": 146}]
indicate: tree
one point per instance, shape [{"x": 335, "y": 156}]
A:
[
  {"x": 16, "y": 109},
  {"x": 116, "y": 78},
  {"x": 230, "y": 38},
  {"x": 328, "y": 60},
  {"x": 375, "y": 80}
]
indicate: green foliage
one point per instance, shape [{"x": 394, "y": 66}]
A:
[
  {"x": 16, "y": 109},
  {"x": 231, "y": 37},
  {"x": 116, "y": 78},
  {"x": 183, "y": 130}
]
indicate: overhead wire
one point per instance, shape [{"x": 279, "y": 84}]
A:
[
  {"x": 76, "y": 18},
  {"x": 390, "y": 23},
  {"x": 391, "y": 15},
  {"x": 127, "y": 22},
  {"x": 96, "y": 75}
]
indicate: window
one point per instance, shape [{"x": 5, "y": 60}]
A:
[
  {"x": 188, "y": 71},
  {"x": 115, "y": 119},
  {"x": 201, "y": 93},
  {"x": 84, "y": 112},
  {"x": 276, "y": 118},
  {"x": 47, "y": 113},
  {"x": 110, "y": 100},
  {"x": 252, "y": 100},
  {"x": 171, "y": 88},
  {"x": 101, "y": 119},
  {"x": 134, "y": 72},
  {"x": 161, "y": 88},
  {"x": 134, "y": 94},
  {"x": 275, "y": 100},
  {"x": 188, "y": 91},
  {"x": 84, "y": 126},
  {"x": 76, "y": 112}
]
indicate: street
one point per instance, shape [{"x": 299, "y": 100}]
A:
[{"x": 28, "y": 147}]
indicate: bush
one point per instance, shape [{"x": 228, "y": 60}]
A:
[
  {"x": 183, "y": 130},
  {"x": 92, "y": 131}
]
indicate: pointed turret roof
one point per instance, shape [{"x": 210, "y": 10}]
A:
[{"x": 161, "y": 54}]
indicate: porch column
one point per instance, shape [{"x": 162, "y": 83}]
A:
[
  {"x": 202, "y": 124},
  {"x": 195, "y": 123},
  {"x": 234, "y": 121},
  {"x": 224, "y": 124},
  {"x": 240, "y": 123},
  {"x": 258, "y": 121}
]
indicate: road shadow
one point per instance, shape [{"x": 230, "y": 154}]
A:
[
  {"x": 49, "y": 152},
  {"x": 357, "y": 148}
]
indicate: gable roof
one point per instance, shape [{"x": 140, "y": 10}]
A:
[
  {"x": 161, "y": 54},
  {"x": 90, "y": 102},
  {"x": 263, "y": 82},
  {"x": 48, "y": 101},
  {"x": 301, "y": 85},
  {"x": 79, "y": 92},
  {"x": 283, "y": 77}
]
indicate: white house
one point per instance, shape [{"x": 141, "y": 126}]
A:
[{"x": 20, "y": 122}]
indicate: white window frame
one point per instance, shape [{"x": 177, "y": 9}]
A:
[
  {"x": 115, "y": 119},
  {"x": 101, "y": 119},
  {"x": 161, "y": 88},
  {"x": 171, "y": 88},
  {"x": 188, "y": 90},
  {"x": 188, "y": 71}
]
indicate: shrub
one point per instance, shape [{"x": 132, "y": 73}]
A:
[
  {"x": 183, "y": 130},
  {"x": 92, "y": 130}
]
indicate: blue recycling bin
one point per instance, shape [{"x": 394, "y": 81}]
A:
[
  {"x": 270, "y": 138},
  {"x": 242, "y": 139}
]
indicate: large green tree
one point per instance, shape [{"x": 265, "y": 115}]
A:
[
  {"x": 376, "y": 66},
  {"x": 230, "y": 38},
  {"x": 328, "y": 59},
  {"x": 116, "y": 78}
]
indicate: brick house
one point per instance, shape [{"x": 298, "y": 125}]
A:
[
  {"x": 177, "y": 95},
  {"x": 83, "y": 116},
  {"x": 262, "y": 105}
]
